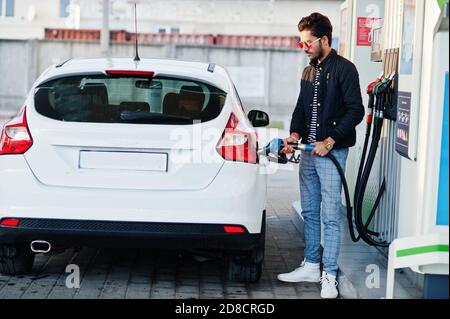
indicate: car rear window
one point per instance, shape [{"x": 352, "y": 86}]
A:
[{"x": 129, "y": 99}]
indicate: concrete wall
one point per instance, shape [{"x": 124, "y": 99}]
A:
[
  {"x": 275, "y": 74},
  {"x": 17, "y": 72}
]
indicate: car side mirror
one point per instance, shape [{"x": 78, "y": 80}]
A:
[{"x": 258, "y": 118}]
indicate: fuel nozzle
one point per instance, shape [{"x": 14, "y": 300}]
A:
[
  {"x": 272, "y": 151},
  {"x": 383, "y": 87},
  {"x": 370, "y": 91},
  {"x": 274, "y": 147}
]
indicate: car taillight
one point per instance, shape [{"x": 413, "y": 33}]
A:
[
  {"x": 237, "y": 143},
  {"x": 15, "y": 137},
  {"x": 10, "y": 222},
  {"x": 233, "y": 229},
  {"x": 130, "y": 73}
]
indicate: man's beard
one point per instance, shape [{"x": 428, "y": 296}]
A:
[{"x": 315, "y": 59}]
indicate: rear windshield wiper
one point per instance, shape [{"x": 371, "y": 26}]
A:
[{"x": 153, "y": 118}]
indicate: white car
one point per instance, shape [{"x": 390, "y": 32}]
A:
[{"x": 112, "y": 152}]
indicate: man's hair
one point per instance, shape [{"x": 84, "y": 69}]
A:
[{"x": 318, "y": 24}]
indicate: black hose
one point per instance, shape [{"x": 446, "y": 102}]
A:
[
  {"x": 358, "y": 198},
  {"x": 360, "y": 170},
  {"x": 349, "y": 205},
  {"x": 358, "y": 181},
  {"x": 341, "y": 172},
  {"x": 378, "y": 199},
  {"x": 363, "y": 158},
  {"x": 374, "y": 209},
  {"x": 347, "y": 197},
  {"x": 366, "y": 143},
  {"x": 360, "y": 226}
]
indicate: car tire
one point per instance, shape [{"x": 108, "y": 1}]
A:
[
  {"x": 247, "y": 273},
  {"x": 247, "y": 266},
  {"x": 16, "y": 260}
]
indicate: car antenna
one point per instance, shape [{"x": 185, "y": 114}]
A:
[{"x": 136, "y": 57}]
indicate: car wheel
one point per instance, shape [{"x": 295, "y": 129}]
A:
[
  {"x": 16, "y": 260},
  {"x": 247, "y": 266},
  {"x": 247, "y": 273}
]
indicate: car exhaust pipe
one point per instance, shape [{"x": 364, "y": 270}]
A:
[{"x": 40, "y": 246}]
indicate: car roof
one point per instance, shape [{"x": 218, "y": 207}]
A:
[{"x": 215, "y": 75}]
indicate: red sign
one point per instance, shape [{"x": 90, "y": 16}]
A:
[{"x": 364, "y": 31}]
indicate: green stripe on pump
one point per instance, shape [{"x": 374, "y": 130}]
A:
[{"x": 422, "y": 250}]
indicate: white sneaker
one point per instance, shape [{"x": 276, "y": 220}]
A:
[
  {"x": 329, "y": 284},
  {"x": 307, "y": 272}
]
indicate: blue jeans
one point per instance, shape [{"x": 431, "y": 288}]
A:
[{"x": 320, "y": 184}]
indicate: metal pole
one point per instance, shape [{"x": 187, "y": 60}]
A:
[{"x": 104, "y": 37}]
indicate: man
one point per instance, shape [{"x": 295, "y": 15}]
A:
[
  {"x": 190, "y": 103},
  {"x": 328, "y": 110}
]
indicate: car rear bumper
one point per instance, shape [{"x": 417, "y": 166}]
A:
[
  {"x": 70, "y": 233},
  {"x": 235, "y": 196}
]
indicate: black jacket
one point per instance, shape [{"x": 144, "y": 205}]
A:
[{"x": 340, "y": 107}]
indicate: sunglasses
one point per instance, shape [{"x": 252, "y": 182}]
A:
[{"x": 307, "y": 45}]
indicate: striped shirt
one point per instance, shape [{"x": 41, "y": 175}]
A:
[{"x": 312, "y": 137}]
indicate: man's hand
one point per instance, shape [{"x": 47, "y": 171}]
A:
[
  {"x": 323, "y": 148},
  {"x": 291, "y": 139}
]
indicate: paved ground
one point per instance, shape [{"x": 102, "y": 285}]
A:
[
  {"x": 359, "y": 261},
  {"x": 107, "y": 273}
]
